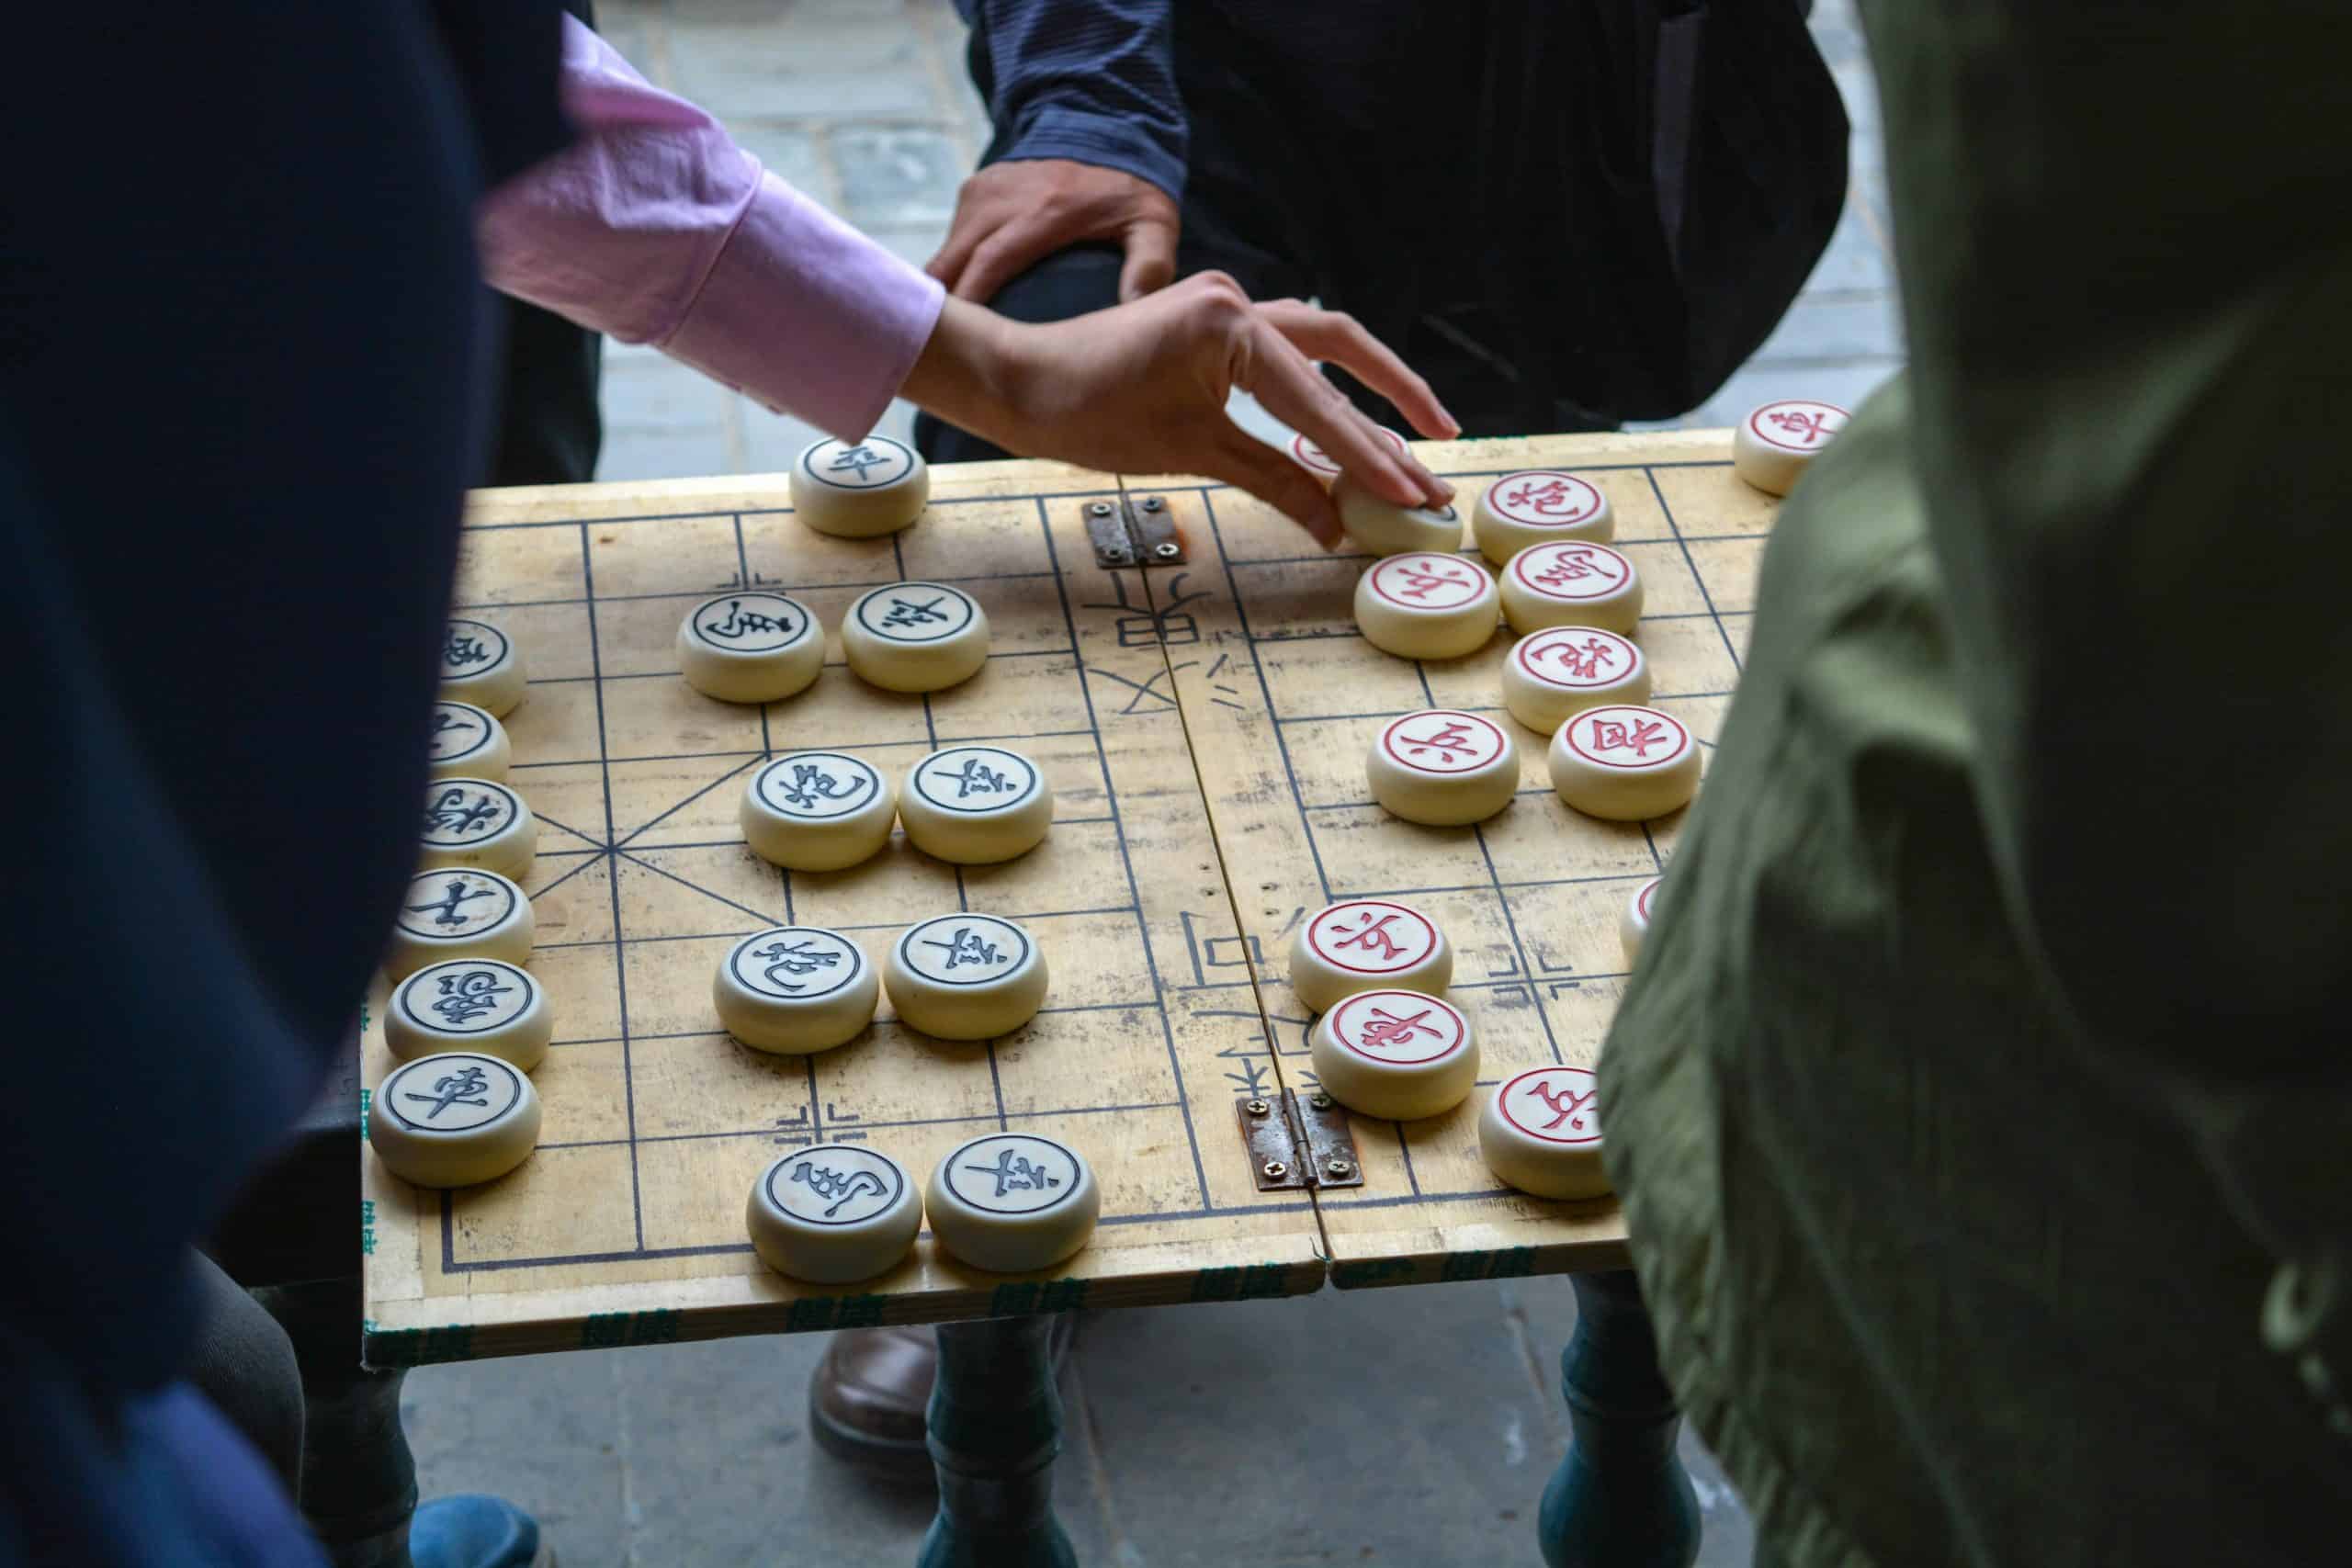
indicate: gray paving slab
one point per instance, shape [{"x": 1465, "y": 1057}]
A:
[
  {"x": 899, "y": 177},
  {"x": 542, "y": 1431},
  {"x": 805, "y": 63}
]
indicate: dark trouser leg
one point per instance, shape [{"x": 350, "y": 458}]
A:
[
  {"x": 548, "y": 428},
  {"x": 996, "y": 1425},
  {"x": 1621, "y": 1498},
  {"x": 244, "y": 1364},
  {"x": 1068, "y": 283}
]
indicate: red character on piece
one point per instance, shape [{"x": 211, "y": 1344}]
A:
[
  {"x": 1551, "y": 497},
  {"x": 1562, "y": 1104},
  {"x": 1574, "y": 566},
  {"x": 1453, "y": 739},
  {"x": 1424, "y": 581},
  {"x": 1807, "y": 427},
  {"x": 1387, "y": 1028},
  {"x": 1616, "y": 735},
  {"x": 1585, "y": 661},
  {"x": 1373, "y": 937}
]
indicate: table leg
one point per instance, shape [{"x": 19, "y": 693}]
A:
[
  {"x": 996, "y": 1425},
  {"x": 358, "y": 1478},
  {"x": 1621, "y": 1498}
]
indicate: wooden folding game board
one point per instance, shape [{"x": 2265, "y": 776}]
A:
[{"x": 1203, "y": 725}]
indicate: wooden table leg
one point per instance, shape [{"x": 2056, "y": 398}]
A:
[
  {"x": 996, "y": 1425},
  {"x": 358, "y": 1478},
  {"x": 1621, "y": 1498}
]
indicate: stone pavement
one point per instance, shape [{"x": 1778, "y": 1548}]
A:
[
  {"x": 864, "y": 104},
  {"x": 1401, "y": 1426}
]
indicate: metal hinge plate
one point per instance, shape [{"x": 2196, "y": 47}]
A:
[
  {"x": 1297, "y": 1142},
  {"x": 1133, "y": 530}
]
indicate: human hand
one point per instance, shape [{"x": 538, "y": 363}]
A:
[
  {"x": 1142, "y": 387},
  {"x": 1009, "y": 216}
]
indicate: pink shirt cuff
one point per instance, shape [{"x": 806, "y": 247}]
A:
[{"x": 807, "y": 315}]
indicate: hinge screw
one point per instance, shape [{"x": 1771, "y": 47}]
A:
[
  {"x": 1321, "y": 1101},
  {"x": 1257, "y": 1107},
  {"x": 1275, "y": 1170},
  {"x": 1338, "y": 1169},
  {"x": 1098, "y": 509},
  {"x": 1166, "y": 551},
  {"x": 1152, "y": 503}
]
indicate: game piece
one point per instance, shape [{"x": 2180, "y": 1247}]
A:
[
  {"x": 1385, "y": 528},
  {"x": 473, "y": 822},
  {"x": 1775, "y": 445},
  {"x": 794, "y": 990},
  {"x": 470, "y": 1004},
  {"x": 453, "y": 1120},
  {"x": 1401, "y": 1055},
  {"x": 834, "y": 1213},
  {"x": 749, "y": 648},
  {"x": 965, "y": 977},
  {"x": 1624, "y": 764},
  {"x": 1538, "y": 506},
  {"x": 1425, "y": 605},
  {"x": 915, "y": 637},
  {"x": 1634, "y": 922},
  {"x": 1317, "y": 461},
  {"x": 1570, "y": 585},
  {"x": 818, "y": 811},
  {"x": 466, "y": 741},
  {"x": 861, "y": 490},
  {"x": 976, "y": 805},
  {"x": 481, "y": 665},
  {"x": 1009, "y": 1203},
  {"x": 467, "y": 913},
  {"x": 1564, "y": 670},
  {"x": 1540, "y": 1132},
  {"x": 1367, "y": 944},
  {"x": 1442, "y": 767}
]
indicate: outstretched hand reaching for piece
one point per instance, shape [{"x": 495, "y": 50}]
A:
[{"x": 1141, "y": 388}]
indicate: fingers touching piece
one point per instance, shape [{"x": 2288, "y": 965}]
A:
[
  {"x": 1296, "y": 393},
  {"x": 1269, "y": 474}
]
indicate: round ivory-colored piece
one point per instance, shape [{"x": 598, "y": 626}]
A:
[
  {"x": 1385, "y": 528},
  {"x": 1565, "y": 670},
  {"x": 861, "y": 490},
  {"x": 749, "y": 648},
  {"x": 468, "y": 742},
  {"x": 465, "y": 912},
  {"x": 1538, "y": 506},
  {"x": 470, "y": 1004},
  {"x": 481, "y": 664},
  {"x": 1634, "y": 922},
  {"x": 794, "y": 990},
  {"x": 1625, "y": 764},
  {"x": 1367, "y": 944},
  {"x": 1571, "y": 584},
  {"x": 1442, "y": 767},
  {"x": 454, "y": 1120},
  {"x": 834, "y": 1213},
  {"x": 818, "y": 811},
  {"x": 1401, "y": 1055},
  {"x": 1317, "y": 461},
  {"x": 1540, "y": 1132},
  {"x": 1775, "y": 445},
  {"x": 966, "y": 977},
  {"x": 1009, "y": 1203},
  {"x": 477, "y": 822},
  {"x": 1423, "y": 605},
  {"x": 915, "y": 637},
  {"x": 976, "y": 805}
]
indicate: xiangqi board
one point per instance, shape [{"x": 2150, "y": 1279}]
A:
[{"x": 1203, "y": 728}]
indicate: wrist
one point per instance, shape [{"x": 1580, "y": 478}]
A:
[{"x": 967, "y": 369}]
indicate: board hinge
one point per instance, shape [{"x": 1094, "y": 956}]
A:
[
  {"x": 1133, "y": 530},
  {"x": 1298, "y": 1142}
]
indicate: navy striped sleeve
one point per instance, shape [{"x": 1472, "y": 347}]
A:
[{"x": 1090, "y": 80}]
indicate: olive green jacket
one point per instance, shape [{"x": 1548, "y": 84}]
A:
[{"x": 1983, "y": 1101}]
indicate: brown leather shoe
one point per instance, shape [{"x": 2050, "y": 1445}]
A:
[{"x": 868, "y": 1398}]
